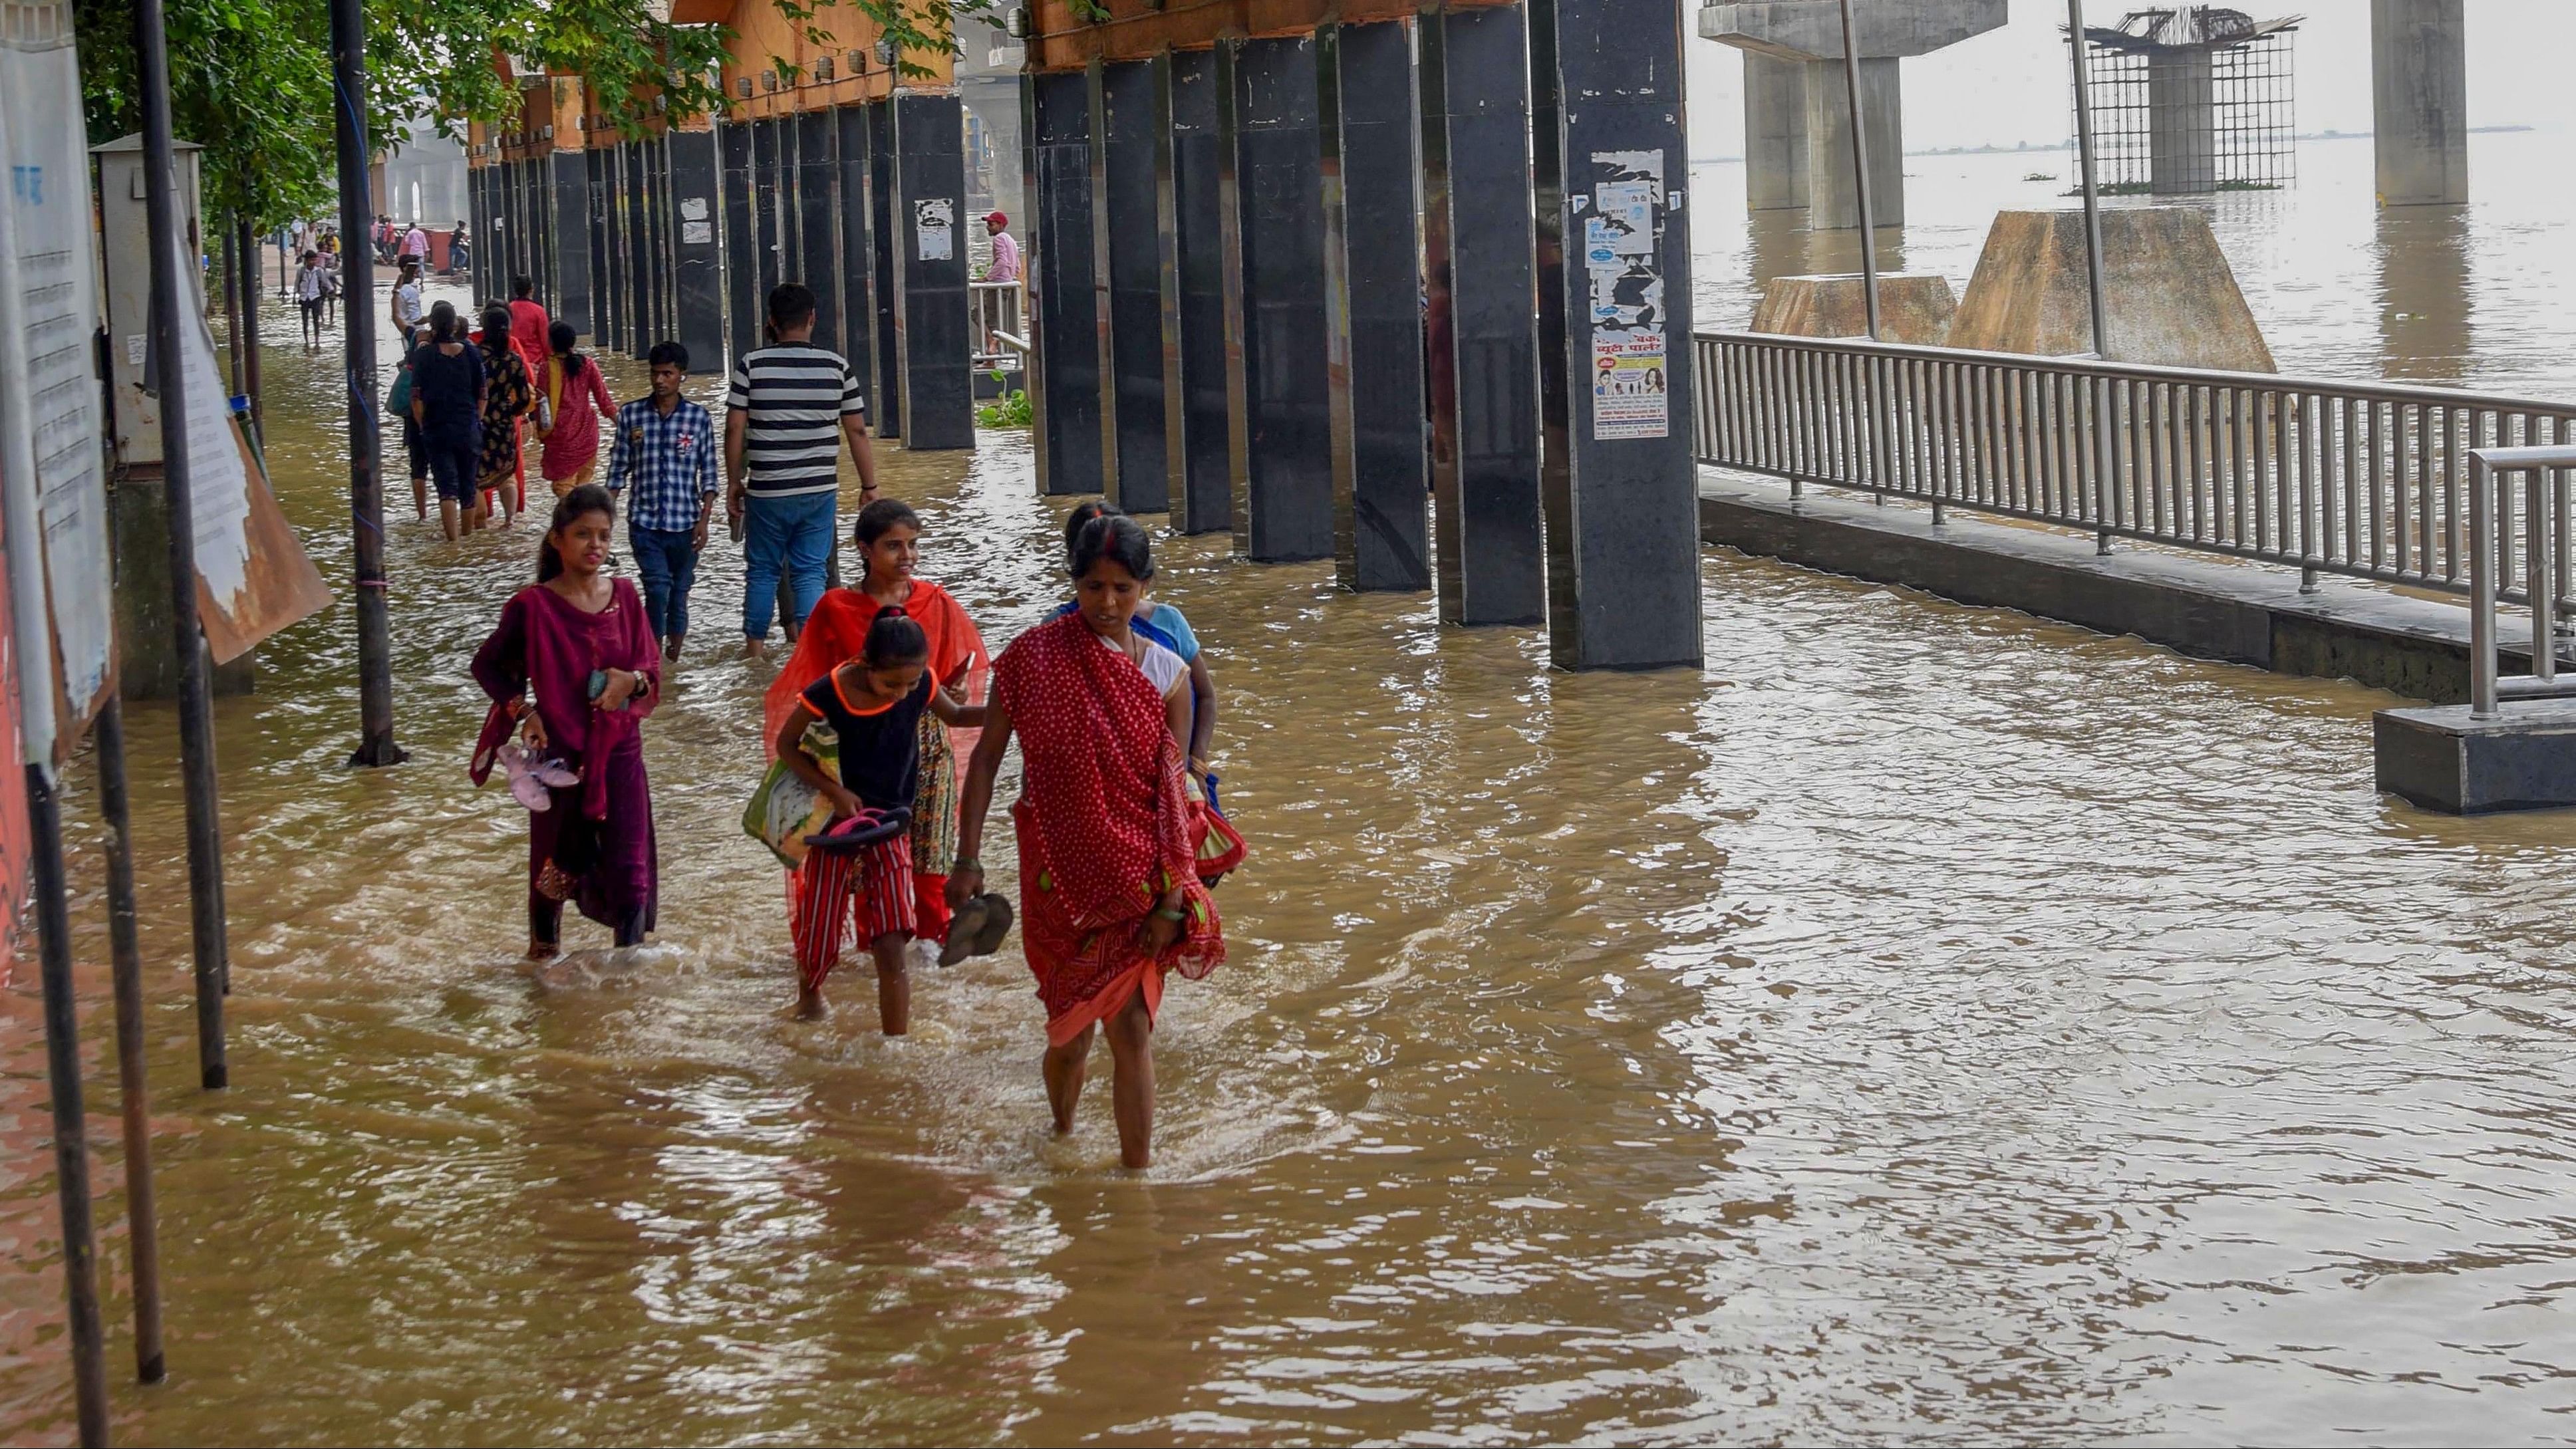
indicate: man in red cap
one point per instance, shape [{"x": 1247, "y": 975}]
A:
[{"x": 1006, "y": 250}]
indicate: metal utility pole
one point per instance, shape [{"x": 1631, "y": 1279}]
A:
[
  {"x": 63, "y": 1079},
  {"x": 250, "y": 324},
  {"x": 2077, "y": 48},
  {"x": 366, "y": 485},
  {"x": 133, "y": 1086},
  {"x": 196, "y": 701},
  {"x": 1860, "y": 170}
]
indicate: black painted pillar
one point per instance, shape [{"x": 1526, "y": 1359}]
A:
[
  {"x": 639, "y": 251},
  {"x": 1288, "y": 513},
  {"x": 1136, "y": 252},
  {"x": 699, "y": 324},
  {"x": 1381, "y": 447},
  {"x": 594, "y": 242},
  {"x": 621, "y": 255},
  {"x": 858, "y": 289},
  {"x": 766, "y": 169},
  {"x": 932, "y": 323},
  {"x": 655, "y": 244},
  {"x": 818, "y": 206},
  {"x": 741, "y": 266},
  {"x": 1481, "y": 316},
  {"x": 887, "y": 228},
  {"x": 1617, "y": 395},
  {"x": 1060, "y": 280},
  {"x": 505, "y": 234},
  {"x": 478, "y": 218},
  {"x": 571, "y": 233},
  {"x": 1209, "y": 271}
]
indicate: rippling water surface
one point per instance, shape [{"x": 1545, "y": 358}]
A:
[{"x": 1927, "y": 1023}]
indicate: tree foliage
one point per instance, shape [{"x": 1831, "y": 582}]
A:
[{"x": 251, "y": 80}]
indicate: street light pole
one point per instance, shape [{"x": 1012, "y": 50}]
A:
[
  {"x": 366, "y": 483},
  {"x": 1860, "y": 170}
]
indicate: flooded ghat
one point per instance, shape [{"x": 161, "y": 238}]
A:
[{"x": 1927, "y": 1023}]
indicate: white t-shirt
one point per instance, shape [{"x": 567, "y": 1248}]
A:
[
  {"x": 407, "y": 303},
  {"x": 308, "y": 284},
  {"x": 1163, "y": 668}
]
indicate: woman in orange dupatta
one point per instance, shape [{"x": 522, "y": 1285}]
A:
[
  {"x": 888, "y": 535},
  {"x": 1110, "y": 897}
]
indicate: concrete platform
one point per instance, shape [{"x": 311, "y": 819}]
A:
[
  {"x": 2205, "y": 607},
  {"x": 2443, "y": 760}
]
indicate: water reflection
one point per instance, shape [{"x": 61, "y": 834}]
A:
[{"x": 2424, "y": 327}]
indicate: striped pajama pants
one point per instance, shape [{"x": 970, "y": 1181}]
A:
[{"x": 872, "y": 884}]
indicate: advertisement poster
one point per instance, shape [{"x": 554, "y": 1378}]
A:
[
  {"x": 253, "y": 576},
  {"x": 1623, "y": 237},
  {"x": 934, "y": 224}
]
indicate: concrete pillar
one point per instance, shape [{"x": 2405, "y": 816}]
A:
[
  {"x": 1287, "y": 510},
  {"x": 882, "y": 224},
  {"x": 608, "y": 208},
  {"x": 767, "y": 169},
  {"x": 699, "y": 281},
  {"x": 641, "y": 254},
  {"x": 857, "y": 293},
  {"x": 2425, "y": 327},
  {"x": 741, "y": 268},
  {"x": 1621, "y": 485},
  {"x": 1372, "y": 250},
  {"x": 594, "y": 241},
  {"x": 933, "y": 327},
  {"x": 1775, "y": 133},
  {"x": 569, "y": 233},
  {"x": 1063, "y": 304},
  {"x": 818, "y": 206},
  {"x": 478, "y": 215},
  {"x": 1207, "y": 223},
  {"x": 2419, "y": 92},
  {"x": 1833, "y": 204},
  {"x": 2182, "y": 123},
  {"x": 1481, "y": 318},
  {"x": 1138, "y": 250}
]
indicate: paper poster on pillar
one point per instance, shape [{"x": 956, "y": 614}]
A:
[
  {"x": 1623, "y": 264},
  {"x": 696, "y": 227},
  {"x": 253, "y": 576},
  {"x": 934, "y": 229}
]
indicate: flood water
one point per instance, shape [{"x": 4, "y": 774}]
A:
[{"x": 1927, "y": 1023}]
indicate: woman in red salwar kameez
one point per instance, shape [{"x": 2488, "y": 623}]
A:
[{"x": 1110, "y": 898}]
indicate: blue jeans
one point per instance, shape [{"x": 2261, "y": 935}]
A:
[
  {"x": 790, "y": 535},
  {"x": 668, "y": 562}
]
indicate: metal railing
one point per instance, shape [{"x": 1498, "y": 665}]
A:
[
  {"x": 2369, "y": 480},
  {"x": 2491, "y": 563},
  {"x": 995, "y": 316}
]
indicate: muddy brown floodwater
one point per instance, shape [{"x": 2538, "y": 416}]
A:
[{"x": 1927, "y": 1023}]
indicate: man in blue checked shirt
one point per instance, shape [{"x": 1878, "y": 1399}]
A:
[{"x": 664, "y": 465}]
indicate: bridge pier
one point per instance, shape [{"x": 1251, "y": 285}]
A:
[
  {"x": 1775, "y": 133},
  {"x": 1132, "y": 250},
  {"x": 1381, "y": 457},
  {"x": 1207, "y": 225},
  {"x": 1481, "y": 291},
  {"x": 933, "y": 348},
  {"x": 2419, "y": 91},
  {"x": 1069, "y": 424}
]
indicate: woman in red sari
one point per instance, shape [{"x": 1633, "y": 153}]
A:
[
  {"x": 578, "y": 641},
  {"x": 1110, "y": 897},
  {"x": 888, "y": 535}
]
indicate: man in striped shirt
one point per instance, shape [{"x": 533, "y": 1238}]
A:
[{"x": 786, "y": 413}]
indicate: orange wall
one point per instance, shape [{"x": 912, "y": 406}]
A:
[
  {"x": 1138, "y": 29},
  {"x": 762, "y": 35}
]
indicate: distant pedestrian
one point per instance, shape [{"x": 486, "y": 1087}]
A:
[
  {"x": 460, "y": 249},
  {"x": 530, "y": 327},
  {"x": 508, "y": 397},
  {"x": 415, "y": 246},
  {"x": 664, "y": 462},
  {"x": 447, "y": 386},
  {"x": 405, "y": 307},
  {"x": 576, "y": 398},
  {"x": 1006, "y": 249},
  {"x": 573, "y": 672},
  {"x": 312, "y": 288},
  {"x": 788, "y": 408}
]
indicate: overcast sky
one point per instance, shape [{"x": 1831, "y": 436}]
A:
[{"x": 2011, "y": 84}]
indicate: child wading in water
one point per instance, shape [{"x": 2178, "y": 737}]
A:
[{"x": 874, "y": 704}]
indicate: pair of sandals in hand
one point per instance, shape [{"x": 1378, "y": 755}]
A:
[{"x": 979, "y": 925}]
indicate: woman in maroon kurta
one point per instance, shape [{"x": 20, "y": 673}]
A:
[{"x": 577, "y": 641}]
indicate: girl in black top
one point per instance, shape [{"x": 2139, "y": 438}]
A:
[
  {"x": 447, "y": 386},
  {"x": 874, "y": 705}
]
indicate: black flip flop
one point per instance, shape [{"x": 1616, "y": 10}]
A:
[
  {"x": 997, "y": 924},
  {"x": 965, "y": 929}
]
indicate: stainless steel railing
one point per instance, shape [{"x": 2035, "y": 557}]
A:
[
  {"x": 2492, "y": 472},
  {"x": 2370, "y": 480},
  {"x": 996, "y": 324}
]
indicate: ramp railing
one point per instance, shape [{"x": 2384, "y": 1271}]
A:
[{"x": 2369, "y": 480}]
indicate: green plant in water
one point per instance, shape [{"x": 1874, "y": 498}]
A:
[{"x": 1011, "y": 410}]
